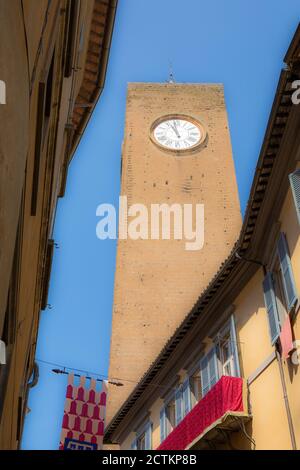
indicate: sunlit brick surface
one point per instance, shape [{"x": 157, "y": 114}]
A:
[{"x": 157, "y": 282}]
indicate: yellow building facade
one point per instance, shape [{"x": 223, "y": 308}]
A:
[{"x": 228, "y": 378}]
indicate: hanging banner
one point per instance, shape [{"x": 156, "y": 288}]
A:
[{"x": 84, "y": 413}]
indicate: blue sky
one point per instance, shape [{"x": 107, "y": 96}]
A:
[{"x": 240, "y": 44}]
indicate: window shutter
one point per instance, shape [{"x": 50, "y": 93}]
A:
[
  {"x": 2, "y": 353},
  {"x": 204, "y": 375},
  {"x": 209, "y": 371},
  {"x": 186, "y": 396},
  {"x": 163, "y": 433},
  {"x": 295, "y": 185},
  {"x": 148, "y": 437},
  {"x": 134, "y": 445},
  {"x": 287, "y": 272},
  {"x": 234, "y": 347},
  {"x": 271, "y": 306},
  {"x": 39, "y": 135},
  {"x": 213, "y": 367},
  {"x": 178, "y": 405}
]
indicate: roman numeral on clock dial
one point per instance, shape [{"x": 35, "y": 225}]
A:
[{"x": 177, "y": 134}]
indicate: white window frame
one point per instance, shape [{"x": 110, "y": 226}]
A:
[
  {"x": 234, "y": 358},
  {"x": 144, "y": 432},
  {"x": 278, "y": 305}
]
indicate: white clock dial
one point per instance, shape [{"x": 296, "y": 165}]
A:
[{"x": 177, "y": 134}]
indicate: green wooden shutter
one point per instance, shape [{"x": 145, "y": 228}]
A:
[
  {"x": 295, "y": 185},
  {"x": 287, "y": 272},
  {"x": 148, "y": 437},
  {"x": 186, "y": 396},
  {"x": 234, "y": 347},
  {"x": 178, "y": 405},
  {"x": 271, "y": 306},
  {"x": 162, "y": 419}
]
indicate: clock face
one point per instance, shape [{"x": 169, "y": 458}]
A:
[{"x": 178, "y": 134}]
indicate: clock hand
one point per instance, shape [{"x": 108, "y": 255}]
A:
[
  {"x": 175, "y": 125},
  {"x": 175, "y": 130}
]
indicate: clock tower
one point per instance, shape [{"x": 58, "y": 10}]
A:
[{"x": 176, "y": 150}]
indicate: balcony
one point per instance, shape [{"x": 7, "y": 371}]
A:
[{"x": 224, "y": 409}]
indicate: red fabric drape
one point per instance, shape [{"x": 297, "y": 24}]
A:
[
  {"x": 225, "y": 396},
  {"x": 286, "y": 338}
]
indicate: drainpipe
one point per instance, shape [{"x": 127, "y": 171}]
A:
[{"x": 286, "y": 400}]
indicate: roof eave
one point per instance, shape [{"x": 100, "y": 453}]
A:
[{"x": 109, "y": 27}]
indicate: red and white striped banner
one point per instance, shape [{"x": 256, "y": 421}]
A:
[{"x": 84, "y": 413}]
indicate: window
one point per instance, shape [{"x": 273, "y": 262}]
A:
[
  {"x": 2, "y": 92},
  {"x": 295, "y": 185},
  {"x": 226, "y": 356},
  {"x": 8, "y": 331},
  {"x": 143, "y": 440},
  {"x": 222, "y": 359},
  {"x": 279, "y": 289},
  {"x": 186, "y": 397},
  {"x": 2, "y": 352},
  {"x": 48, "y": 89},
  {"x": 171, "y": 415},
  {"x": 47, "y": 273},
  {"x": 72, "y": 16},
  {"x": 163, "y": 427},
  {"x": 271, "y": 307},
  {"x": 20, "y": 418},
  {"x": 209, "y": 371},
  {"x": 172, "y": 412},
  {"x": 227, "y": 350},
  {"x": 81, "y": 38},
  {"x": 44, "y": 104},
  {"x": 286, "y": 272},
  {"x": 195, "y": 388}
]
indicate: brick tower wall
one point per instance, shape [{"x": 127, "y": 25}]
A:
[{"x": 157, "y": 282}]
